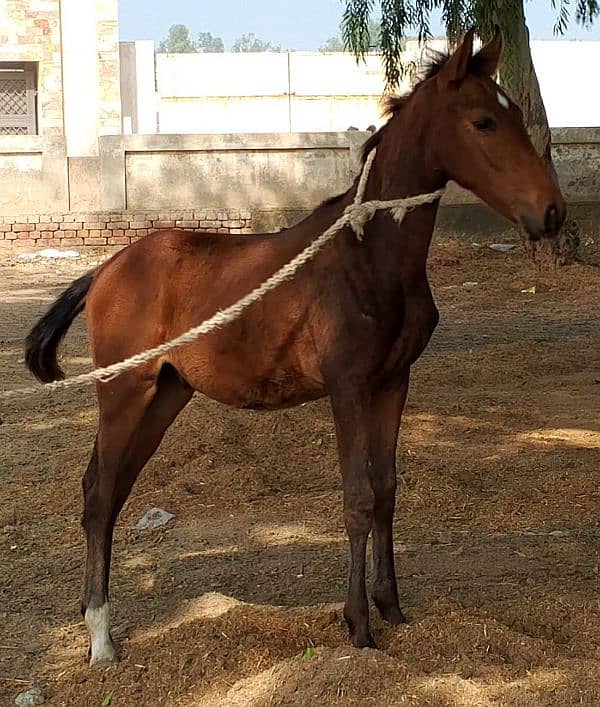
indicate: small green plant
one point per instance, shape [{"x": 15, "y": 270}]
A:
[{"x": 306, "y": 654}]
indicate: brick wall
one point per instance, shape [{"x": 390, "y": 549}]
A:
[{"x": 71, "y": 229}]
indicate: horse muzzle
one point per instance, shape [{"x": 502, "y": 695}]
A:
[{"x": 543, "y": 225}]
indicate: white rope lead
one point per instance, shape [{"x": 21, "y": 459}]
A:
[{"x": 356, "y": 215}]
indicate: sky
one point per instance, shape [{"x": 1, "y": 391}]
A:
[{"x": 303, "y": 25}]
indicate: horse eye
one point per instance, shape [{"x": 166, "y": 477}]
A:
[{"x": 484, "y": 124}]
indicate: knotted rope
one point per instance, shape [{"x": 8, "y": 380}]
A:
[{"x": 356, "y": 216}]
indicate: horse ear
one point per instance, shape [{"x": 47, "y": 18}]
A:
[
  {"x": 487, "y": 58},
  {"x": 457, "y": 66}
]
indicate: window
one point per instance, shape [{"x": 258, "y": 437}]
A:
[{"x": 18, "y": 98}]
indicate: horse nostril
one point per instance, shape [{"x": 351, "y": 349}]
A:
[{"x": 551, "y": 221}]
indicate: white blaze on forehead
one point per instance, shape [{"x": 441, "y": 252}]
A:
[{"x": 502, "y": 100}]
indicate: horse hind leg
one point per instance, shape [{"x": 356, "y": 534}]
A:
[
  {"x": 94, "y": 606},
  {"x": 133, "y": 421}
]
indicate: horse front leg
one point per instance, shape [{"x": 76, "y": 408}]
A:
[
  {"x": 351, "y": 415},
  {"x": 386, "y": 412}
]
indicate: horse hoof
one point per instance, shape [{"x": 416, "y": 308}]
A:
[
  {"x": 104, "y": 656},
  {"x": 363, "y": 641},
  {"x": 392, "y": 614}
]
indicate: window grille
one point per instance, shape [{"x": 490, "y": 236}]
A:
[{"x": 17, "y": 99}]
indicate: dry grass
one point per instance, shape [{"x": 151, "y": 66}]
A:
[{"x": 499, "y": 449}]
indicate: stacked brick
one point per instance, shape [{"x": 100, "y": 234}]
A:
[{"x": 113, "y": 229}]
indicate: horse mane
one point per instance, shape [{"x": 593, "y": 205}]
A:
[{"x": 394, "y": 103}]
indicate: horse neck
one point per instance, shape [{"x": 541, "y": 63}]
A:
[{"x": 403, "y": 166}]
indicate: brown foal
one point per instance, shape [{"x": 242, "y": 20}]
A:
[{"x": 348, "y": 326}]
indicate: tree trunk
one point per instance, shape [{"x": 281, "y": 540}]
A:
[{"x": 518, "y": 77}]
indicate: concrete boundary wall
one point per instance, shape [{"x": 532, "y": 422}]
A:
[
  {"x": 33, "y": 173},
  {"x": 233, "y": 183},
  {"x": 281, "y": 170}
]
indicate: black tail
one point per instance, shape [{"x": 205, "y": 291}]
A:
[{"x": 42, "y": 341}]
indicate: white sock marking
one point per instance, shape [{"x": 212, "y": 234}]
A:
[{"x": 98, "y": 624}]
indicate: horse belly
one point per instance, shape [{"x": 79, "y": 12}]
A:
[
  {"x": 258, "y": 382},
  {"x": 278, "y": 390},
  {"x": 282, "y": 390}
]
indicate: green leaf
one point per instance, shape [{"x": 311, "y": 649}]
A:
[
  {"x": 306, "y": 654},
  {"x": 355, "y": 26},
  {"x": 107, "y": 699}
]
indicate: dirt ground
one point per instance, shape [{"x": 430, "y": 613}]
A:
[{"x": 237, "y": 601}]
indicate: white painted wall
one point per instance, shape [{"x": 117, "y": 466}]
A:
[
  {"x": 80, "y": 76},
  {"x": 567, "y": 72},
  {"x": 317, "y": 74},
  {"x": 146, "y": 93},
  {"x": 269, "y": 92},
  {"x": 224, "y": 114},
  {"x": 90, "y": 73},
  {"x": 307, "y": 92},
  {"x": 231, "y": 74}
]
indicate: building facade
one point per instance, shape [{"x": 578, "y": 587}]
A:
[{"x": 59, "y": 91}]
